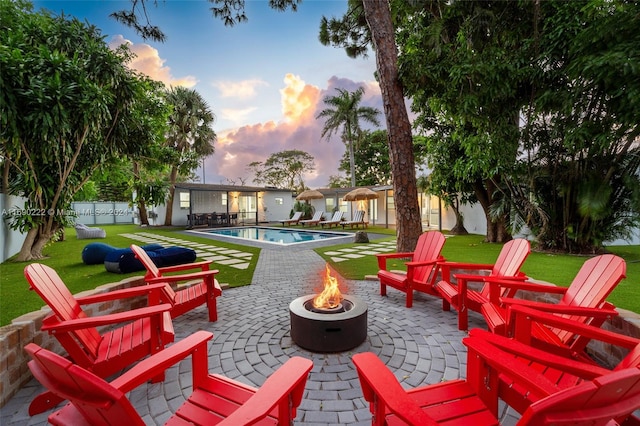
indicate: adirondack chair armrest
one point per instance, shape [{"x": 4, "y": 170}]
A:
[
  {"x": 522, "y": 318},
  {"x": 493, "y": 357},
  {"x": 522, "y": 350},
  {"x": 468, "y": 277},
  {"x": 97, "y": 321},
  {"x": 380, "y": 387},
  {"x": 120, "y": 294},
  {"x": 558, "y": 309},
  {"x": 496, "y": 284},
  {"x": 382, "y": 258},
  {"x": 420, "y": 263},
  {"x": 566, "y": 310},
  {"x": 150, "y": 367},
  {"x": 203, "y": 265},
  {"x": 287, "y": 380},
  {"x": 183, "y": 277}
]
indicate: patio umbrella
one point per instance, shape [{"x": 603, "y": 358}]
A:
[
  {"x": 360, "y": 194},
  {"x": 309, "y": 194}
]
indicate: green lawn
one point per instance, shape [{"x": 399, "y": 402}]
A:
[
  {"x": 559, "y": 269},
  {"x": 65, "y": 258}
]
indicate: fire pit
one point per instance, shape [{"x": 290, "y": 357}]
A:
[{"x": 329, "y": 321}]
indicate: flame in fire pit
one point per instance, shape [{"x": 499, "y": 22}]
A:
[{"x": 330, "y": 297}]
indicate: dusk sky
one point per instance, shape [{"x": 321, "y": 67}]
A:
[{"x": 264, "y": 79}]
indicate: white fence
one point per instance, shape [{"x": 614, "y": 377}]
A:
[
  {"x": 89, "y": 213},
  {"x": 102, "y": 213},
  {"x": 10, "y": 240}
]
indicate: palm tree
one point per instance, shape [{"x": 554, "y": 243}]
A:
[
  {"x": 345, "y": 114},
  {"x": 190, "y": 135}
]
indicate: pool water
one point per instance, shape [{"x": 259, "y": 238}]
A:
[{"x": 283, "y": 236}]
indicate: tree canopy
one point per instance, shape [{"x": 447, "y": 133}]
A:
[
  {"x": 284, "y": 169},
  {"x": 190, "y": 136},
  {"x": 343, "y": 114},
  {"x": 530, "y": 108},
  {"x": 68, "y": 106}
]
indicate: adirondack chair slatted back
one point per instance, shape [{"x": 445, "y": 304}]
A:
[
  {"x": 152, "y": 269},
  {"x": 595, "y": 280},
  {"x": 608, "y": 397},
  {"x": 317, "y": 216},
  {"x": 509, "y": 261},
  {"x": 47, "y": 283},
  {"x": 359, "y": 216},
  {"x": 337, "y": 217},
  {"x": 428, "y": 248},
  {"x": 511, "y": 258},
  {"x": 98, "y": 401}
]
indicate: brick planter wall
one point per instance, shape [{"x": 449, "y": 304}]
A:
[{"x": 14, "y": 372}]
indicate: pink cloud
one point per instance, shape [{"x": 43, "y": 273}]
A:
[
  {"x": 147, "y": 60},
  {"x": 299, "y": 129}
]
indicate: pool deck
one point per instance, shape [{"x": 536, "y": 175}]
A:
[{"x": 252, "y": 338}]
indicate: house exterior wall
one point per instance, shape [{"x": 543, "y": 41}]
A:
[{"x": 270, "y": 205}]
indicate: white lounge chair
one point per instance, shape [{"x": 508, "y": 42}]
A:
[
  {"x": 293, "y": 220},
  {"x": 358, "y": 219},
  {"x": 335, "y": 220},
  {"x": 317, "y": 217}
]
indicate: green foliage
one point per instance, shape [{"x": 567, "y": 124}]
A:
[
  {"x": 371, "y": 159},
  {"x": 68, "y": 102},
  {"x": 190, "y": 135},
  {"x": 350, "y": 32},
  {"x": 189, "y": 139},
  {"x": 284, "y": 169},
  {"x": 306, "y": 209},
  {"x": 344, "y": 114},
  {"x": 477, "y": 71}
]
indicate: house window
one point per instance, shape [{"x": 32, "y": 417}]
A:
[
  {"x": 391, "y": 205},
  {"x": 225, "y": 196},
  {"x": 279, "y": 201},
  {"x": 185, "y": 200},
  {"x": 329, "y": 204}
]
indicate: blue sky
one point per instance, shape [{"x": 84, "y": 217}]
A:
[{"x": 263, "y": 79}]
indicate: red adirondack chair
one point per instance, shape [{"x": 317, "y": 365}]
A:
[
  {"x": 188, "y": 298},
  {"x": 421, "y": 270},
  {"x": 145, "y": 332},
  {"x": 555, "y": 366},
  {"x": 608, "y": 398},
  {"x": 584, "y": 300},
  {"x": 462, "y": 298},
  {"x": 215, "y": 399}
]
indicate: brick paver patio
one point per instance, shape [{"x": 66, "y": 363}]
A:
[{"x": 251, "y": 339}]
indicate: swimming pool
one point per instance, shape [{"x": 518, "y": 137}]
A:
[{"x": 279, "y": 236}]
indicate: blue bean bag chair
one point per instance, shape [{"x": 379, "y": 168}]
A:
[
  {"x": 123, "y": 261},
  {"x": 96, "y": 253}
]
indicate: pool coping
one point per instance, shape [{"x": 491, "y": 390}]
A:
[{"x": 339, "y": 239}]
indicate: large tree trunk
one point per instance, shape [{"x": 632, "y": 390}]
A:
[
  {"x": 34, "y": 242},
  {"x": 459, "y": 228},
  {"x": 142, "y": 212},
  {"x": 405, "y": 191},
  {"x": 172, "y": 191},
  {"x": 142, "y": 207},
  {"x": 497, "y": 231}
]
